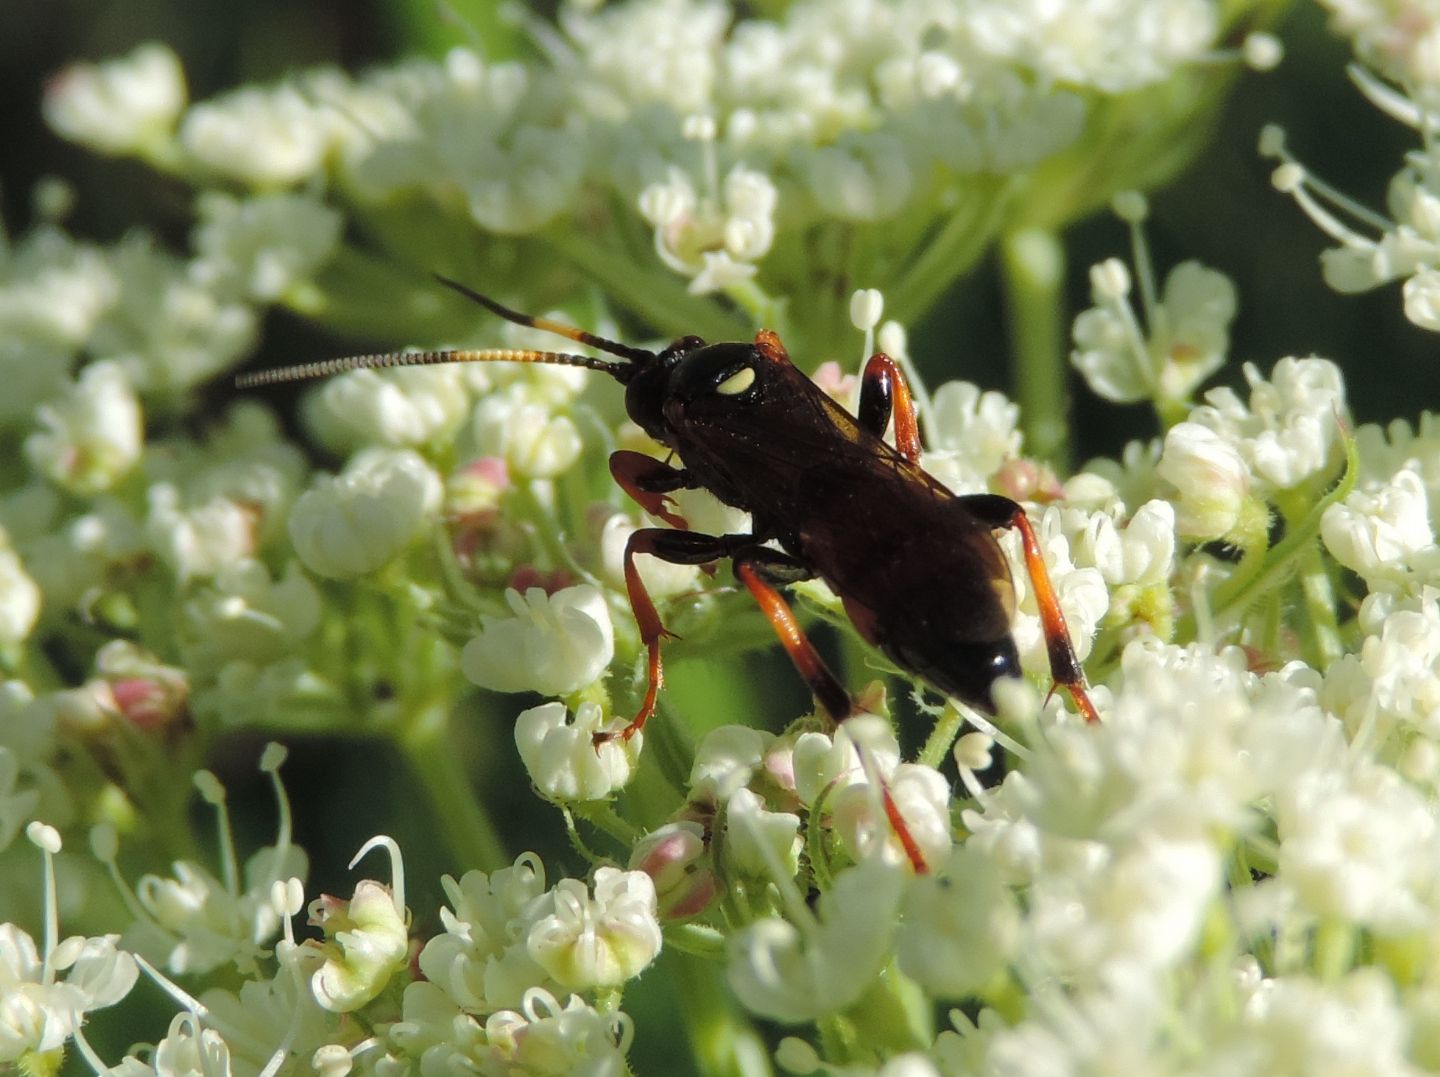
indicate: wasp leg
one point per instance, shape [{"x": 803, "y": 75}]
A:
[
  {"x": 756, "y": 567},
  {"x": 678, "y": 548},
  {"x": 883, "y": 391},
  {"x": 1000, "y": 512},
  {"x": 647, "y": 481}
]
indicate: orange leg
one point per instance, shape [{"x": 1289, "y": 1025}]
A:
[
  {"x": 680, "y": 548},
  {"x": 883, "y": 391},
  {"x": 823, "y": 683},
  {"x": 1001, "y": 512},
  {"x": 649, "y": 481}
]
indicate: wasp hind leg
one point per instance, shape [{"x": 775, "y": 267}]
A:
[{"x": 1002, "y": 513}]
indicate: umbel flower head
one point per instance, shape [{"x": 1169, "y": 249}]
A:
[{"x": 408, "y": 571}]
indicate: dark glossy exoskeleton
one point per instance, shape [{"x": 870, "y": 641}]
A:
[{"x": 918, "y": 569}]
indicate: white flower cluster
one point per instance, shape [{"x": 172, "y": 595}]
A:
[
  {"x": 852, "y": 112},
  {"x": 1185, "y": 336},
  {"x": 510, "y": 950},
  {"x": 1398, "y": 47},
  {"x": 1236, "y": 870}
]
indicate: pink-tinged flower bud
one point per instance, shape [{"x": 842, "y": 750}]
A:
[{"x": 678, "y": 861}]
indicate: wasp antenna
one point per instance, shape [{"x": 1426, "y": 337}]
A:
[
  {"x": 380, "y": 360},
  {"x": 625, "y": 351}
]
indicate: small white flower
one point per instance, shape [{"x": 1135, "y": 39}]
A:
[
  {"x": 1143, "y": 903},
  {"x": 263, "y": 246},
  {"x": 920, "y": 794},
  {"x": 1359, "y": 846},
  {"x": 1422, "y": 299},
  {"x": 186, "y": 1048},
  {"x": 168, "y": 330},
  {"x": 524, "y": 431},
  {"x": 1296, "y": 1024},
  {"x": 262, "y": 137},
  {"x": 1140, "y": 552},
  {"x": 971, "y": 434},
  {"x": 1390, "y": 684},
  {"x": 960, "y": 925},
  {"x": 1377, "y": 533},
  {"x": 246, "y": 615},
  {"x": 663, "y": 51},
  {"x": 797, "y": 972},
  {"x": 1288, "y": 432},
  {"x": 123, "y": 106},
  {"x": 19, "y": 596},
  {"x": 714, "y": 240},
  {"x": 758, "y": 839},
  {"x": 38, "y": 1011},
  {"x": 480, "y": 961},
  {"x": 366, "y": 942},
  {"x": 563, "y": 758},
  {"x": 1185, "y": 341},
  {"x": 200, "y": 540},
  {"x": 551, "y": 644},
  {"x": 586, "y": 942},
  {"x": 398, "y": 408},
  {"x": 361, "y": 519},
  {"x": 546, "y": 1038},
  {"x": 92, "y": 436},
  {"x": 823, "y": 763},
  {"x": 726, "y": 760}
]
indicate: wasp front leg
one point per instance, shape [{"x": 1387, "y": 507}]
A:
[
  {"x": 1002, "y": 513},
  {"x": 885, "y": 392},
  {"x": 648, "y": 481},
  {"x": 678, "y": 548}
]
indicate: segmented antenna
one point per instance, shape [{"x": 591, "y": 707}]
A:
[
  {"x": 621, "y": 372},
  {"x": 381, "y": 360},
  {"x": 625, "y": 351}
]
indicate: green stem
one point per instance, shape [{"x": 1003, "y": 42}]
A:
[
  {"x": 467, "y": 828},
  {"x": 1033, "y": 262},
  {"x": 1319, "y": 592},
  {"x": 956, "y": 247},
  {"x": 1334, "y": 949},
  {"x": 724, "y": 1041},
  {"x": 1244, "y": 587},
  {"x": 601, "y": 814},
  {"x": 942, "y": 737}
]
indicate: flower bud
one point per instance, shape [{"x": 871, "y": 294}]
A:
[
  {"x": 1212, "y": 478},
  {"x": 119, "y": 107},
  {"x": 364, "y": 517},
  {"x": 677, "y": 860}
]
